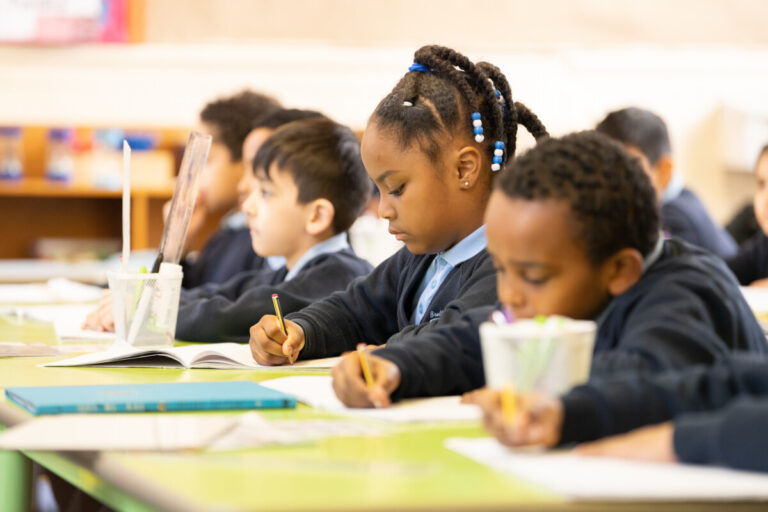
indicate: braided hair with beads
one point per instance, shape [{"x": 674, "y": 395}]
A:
[{"x": 445, "y": 93}]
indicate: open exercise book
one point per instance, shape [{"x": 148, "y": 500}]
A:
[
  {"x": 212, "y": 355},
  {"x": 596, "y": 478}
]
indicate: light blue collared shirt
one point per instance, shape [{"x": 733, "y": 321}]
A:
[
  {"x": 442, "y": 265},
  {"x": 674, "y": 188},
  {"x": 334, "y": 244}
]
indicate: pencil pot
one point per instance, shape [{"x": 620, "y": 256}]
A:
[
  {"x": 550, "y": 355},
  {"x": 145, "y": 306}
]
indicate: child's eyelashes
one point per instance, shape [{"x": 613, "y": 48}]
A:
[
  {"x": 534, "y": 280},
  {"x": 398, "y": 191}
]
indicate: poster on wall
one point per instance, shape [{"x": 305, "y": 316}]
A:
[{"x": 61, "y": 22}]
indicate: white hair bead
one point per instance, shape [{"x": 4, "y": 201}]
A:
[
  {"x": 498, "y": 152},
  {"x": 479, "y": 137},
  {"x": 477, "y": 122},
  {"x": 495, "y": 167},
  {"x": 407, "y": 104}
]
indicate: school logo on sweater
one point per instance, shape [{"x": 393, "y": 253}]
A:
[{"x": 434, "y": 315}]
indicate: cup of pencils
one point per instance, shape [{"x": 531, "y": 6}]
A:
[
  {"x": 145, "y": 306},
  {"x": 549, "y": 354}
]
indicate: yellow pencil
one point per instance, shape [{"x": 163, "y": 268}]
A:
[
  {"x": 279, "y": 315},
  {"x": 366, "y": 365},
  {"x": 508, "y": 404},
  {"x": 276, "y": 303}
]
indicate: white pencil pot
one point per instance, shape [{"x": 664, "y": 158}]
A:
[
  {"x": 532, "y": 355},
  {"x": 145, "y": 306}
]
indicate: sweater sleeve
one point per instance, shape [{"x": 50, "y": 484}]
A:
[
  {"x": 614, "y": 405},
  {"x": 746, "y": 265},
  {"x": 733, "y": 436},
  {"x": 364, "y": 312},
  {"x": 446, "y": 360},
  {"x": 224, "y": 317}
]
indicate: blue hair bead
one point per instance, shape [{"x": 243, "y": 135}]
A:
[
  {"x": 475, "y": 116},
  {"x": 498, "y": 93},
  {"x": 497, "y": 159},
  {"x": 421, "y": 68},
  {"x": 478, "y": 130},
  {"x": 499, "y": 145}
]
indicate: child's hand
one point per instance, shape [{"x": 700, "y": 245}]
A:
[
  {"x": 101, "y": 319},
  {"x": 760, "y": 283},
  {"x": 351, "y": 388},
  {"x": 538, "y": 417},
  {"x": 653, "y": 443},
  {"x": 270, "y": 346}
]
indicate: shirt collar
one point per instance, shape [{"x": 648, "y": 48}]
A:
[
  {"x": 334, "y": 244},
  {"x": 235, "y": 220},
  {"x": 466, "y": 248},
  {"x": 674, "y": 188}
]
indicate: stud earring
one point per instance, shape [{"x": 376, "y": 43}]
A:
[{"x": 466, "y": 184}]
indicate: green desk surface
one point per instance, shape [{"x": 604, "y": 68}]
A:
[{"x": 407, "y": 468}]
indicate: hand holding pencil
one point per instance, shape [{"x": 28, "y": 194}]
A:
[
  {"x": 361, "y": 379},
  {"x": 525, "y": 419},
  {"x": 275, "y": 340}
]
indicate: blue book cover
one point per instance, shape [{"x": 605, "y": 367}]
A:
[{"x": 184, "y": 396}]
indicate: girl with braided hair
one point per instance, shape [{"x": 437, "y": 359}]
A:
[{"x": 431, "y": 146}]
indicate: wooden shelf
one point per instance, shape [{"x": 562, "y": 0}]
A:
[
  {"x": 34, "y": 207},
  {"x": 40, "y": 187}
]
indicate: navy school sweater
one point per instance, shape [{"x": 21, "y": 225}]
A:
[
  {"x": 227, "y": 253},
  {"x": 226, "y": 312},
  {"x": 720, "y": 411},
  {"x": 685, "y": 217},
  {"x": 751, "y": 263},
  {"x": 377, "y": 309},
  {"x": 685, "y": 310}
]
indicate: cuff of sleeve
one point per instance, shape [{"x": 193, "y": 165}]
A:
[
  {"x": 306, "y": 326},
  {"x": 406, "y": 378},
  {"x": 694, "y": 437},
  {"x": 582, "y": 420}
]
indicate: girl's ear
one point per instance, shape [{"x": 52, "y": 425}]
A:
[
  {"x": 623, "y": 270},
  {"x": 320, "y": 217},
  {"x": 469, "y": 164}
]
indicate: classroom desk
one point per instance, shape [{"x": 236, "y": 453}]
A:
[{"x": 406, "y": 469}]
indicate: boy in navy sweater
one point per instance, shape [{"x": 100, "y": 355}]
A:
[
  {"x": 719, "y": 413},
  {"x": 311, "y": 185},
  {"x": 425, "y": 149},
  {"x": 683, "y": 215},
  {"x": 573, "y": 230},
  {"x": 228, "y": 120},
  {"x": 228, "y": 251}
]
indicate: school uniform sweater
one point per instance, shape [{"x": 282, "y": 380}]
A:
[
  {"x": 225, "y": 312},
  {"x": 227, "y": 253},
  {"x": 685, "y": 310},
  {"x": 720, "y": 411},
  {"x": 751, "y": 263},
  {"x": 378, "y": 309},
  {"x": 685, "y": 217}
]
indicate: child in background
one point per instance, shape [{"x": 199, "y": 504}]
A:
[
  {"x": 719, "y": 413},
  {"x": 644, "y": 134},
  {"x": 430, "y": 147},
  {"x": 228, "y": 121},
  {"x": 369, "y": 236},
  {"x": 750, "y": 265},
  {"x": 573, "y": 229},
  {"x": 311, "y": 187}
]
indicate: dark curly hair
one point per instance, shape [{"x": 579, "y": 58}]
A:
[
  {"x": 233, "y": 116},
  {"x": 425, "y": 106},
  {"x": 639, "y": 128},
  {"x": 323, "y": 158},
  {"x": 611, "y": 198}
]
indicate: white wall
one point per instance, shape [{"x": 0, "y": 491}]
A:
[{"x": 570, "y": 87}]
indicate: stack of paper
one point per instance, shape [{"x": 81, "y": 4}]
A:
[
  {"x": 317, "y": 391},
  {"x": 54, "y": 291}
]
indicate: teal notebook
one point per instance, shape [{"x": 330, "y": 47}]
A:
[{"x": 185, "y": 396}]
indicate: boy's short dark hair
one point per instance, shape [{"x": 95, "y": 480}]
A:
[
  {"x": 323, "y": 158},
  {"x": 613, "y": 202},
  {"x": 640, "y": 128},
  {"x": 232, "y": 118},
  {"x": 277, "y": 118}
]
